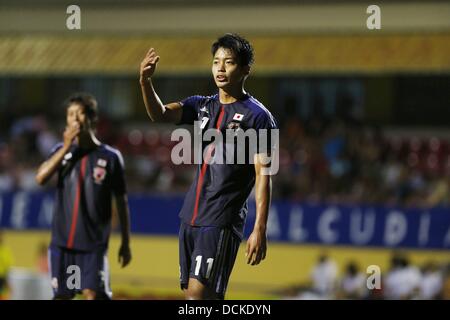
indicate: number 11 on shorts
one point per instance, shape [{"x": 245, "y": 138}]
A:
[{"x": 209, "y": 261}]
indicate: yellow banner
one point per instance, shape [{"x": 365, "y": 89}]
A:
[{"x": 274, "y": 54}]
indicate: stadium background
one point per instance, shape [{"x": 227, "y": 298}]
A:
[{"x": 363, "y": 115}]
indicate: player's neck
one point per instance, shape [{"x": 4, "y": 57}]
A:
[
  {"x": 231, "y": 95},
  {"x": 88, "y": 141}
]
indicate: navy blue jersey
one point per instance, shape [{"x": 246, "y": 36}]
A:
[
  {"x": 218, "y": 195},
  {"x": 87, "y": 180}
]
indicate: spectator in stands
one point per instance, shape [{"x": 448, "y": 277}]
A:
[{"x": 440, "y": 191}]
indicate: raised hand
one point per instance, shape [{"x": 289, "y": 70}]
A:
[{"x": 148, "y": 65}]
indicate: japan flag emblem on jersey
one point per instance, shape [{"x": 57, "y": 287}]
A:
[
  {"x": 238, "y": 116},
  {"x": 99, "y": 174}
]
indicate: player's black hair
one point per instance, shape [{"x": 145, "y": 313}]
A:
[
  {"x": 240, "y": 47},
  {"x": 87, "y": 101},
  {"x": 352, "y": 268}
]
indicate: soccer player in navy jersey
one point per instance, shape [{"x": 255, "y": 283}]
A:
[
  {"x": 89, "y": 175},
  {"x": 215, "y": 207}
]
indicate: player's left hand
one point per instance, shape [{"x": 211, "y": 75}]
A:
[
  {"x": 256, "y": 247},
  {"x": 124, "y": 255}
]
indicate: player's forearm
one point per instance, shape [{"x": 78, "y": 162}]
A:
[
  {"x": 263, "y": 195},
  {"x": 49, "y": 167},
  {"x": 155, "y": 108},
  {"x": 124, "y": 218}
]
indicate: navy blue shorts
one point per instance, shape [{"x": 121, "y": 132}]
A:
[
  {"x": 91, "y": 266},
  {"x": 208, "y": 255}
]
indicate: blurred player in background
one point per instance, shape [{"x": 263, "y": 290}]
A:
[
  {"x": 89, "y": 175},
  {"x": 324, "y": 277},
  {"x": 403, "y": 280},
  {"x": 215, "y": 207},
  {"x": 353, "y": 283},
  {"x": 6, "y": 261}
]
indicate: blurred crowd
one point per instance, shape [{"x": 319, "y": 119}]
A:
[
  {"x": 344, "y": 161},
  {"x": 403, "y": 281},
  {"x": 335, "y": 159}
]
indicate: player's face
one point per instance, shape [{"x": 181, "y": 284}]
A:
[
  {"x": 226, "y": 70},
  {"x": 75, "y": 113}
]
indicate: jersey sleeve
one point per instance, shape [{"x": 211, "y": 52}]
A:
[
  {"x": 54, "y": 149},
  {"x": 118, "y": 175},
  {"x": 190, "y": 109},
  {"x": 266, "y": 132}
]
